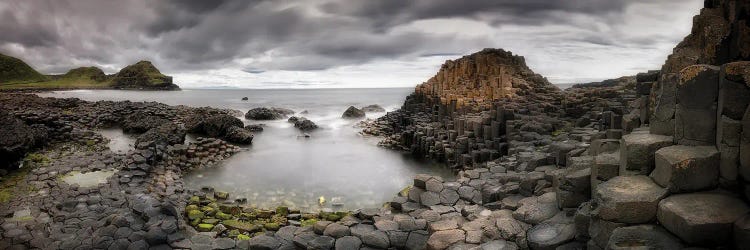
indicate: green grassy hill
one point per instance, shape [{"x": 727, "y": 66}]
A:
[
  {"x": 13, "y": 70},
  {"x": 15, "y": 74}
]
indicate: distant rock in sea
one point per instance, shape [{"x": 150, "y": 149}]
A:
[
  {"x": 374, "y": 108},
  {"x": 142, "y": 75},
  {"x": 353, "y": 113}
]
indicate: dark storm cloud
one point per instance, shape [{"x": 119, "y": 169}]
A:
[{"x": 264, "y": 35}]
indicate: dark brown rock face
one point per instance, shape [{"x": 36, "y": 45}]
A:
[
  {"x": 720, "y": 35},
  {"x": 17, "y": 138}
]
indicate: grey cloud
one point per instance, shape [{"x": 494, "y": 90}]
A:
[{"x": 265, "y": 35}]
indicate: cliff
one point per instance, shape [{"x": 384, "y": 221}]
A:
[
  {"x": 15, "y": 70},
  {"x": 482, "y": 77}
]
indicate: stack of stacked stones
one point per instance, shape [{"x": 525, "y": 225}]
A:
[
  {"x": 462, "y": 116},
  {"x": 202, "y": 152},
  {"x": 641, "y": 107},
  {"x": 687, "y": 182}
]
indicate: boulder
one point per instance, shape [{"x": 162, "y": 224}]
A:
[
  {"x": 534, "y": 210},
  {"x": 238, "y": 135},
  {"x": 255, "y": 127},
  {"x": 704, "y": 219},
  {"x": 628, "y": 199},
  {"x": 643, "y": 237},
  {"x": 353, "y": 113},
  {"x": 140, "y": 122},
  {"x": 637, "y": 152},
  {"x": 374, "y": 108},
  {"x": 302, "y": 123},
  {"x": 167, "y": 133},
  {"x": 682, "y": 168},
  {"x": 348, "y": 242},
  {"x": 264, "y": 113},
  {"x": 17, "y": 138},
  {"x": 263, "y": 242},
  {"x": 217, "y": 125}
]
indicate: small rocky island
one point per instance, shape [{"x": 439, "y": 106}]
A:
[{"x": 659, "y": 160}]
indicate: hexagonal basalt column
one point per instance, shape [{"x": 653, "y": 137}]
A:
[
  {"x": 628, "y": 199},
  {"x": 704, "y": 219},
  {"x": 637, "y": 152},
  {"x": 682, "y": 168},
  {"x": 697, "y": 97}
]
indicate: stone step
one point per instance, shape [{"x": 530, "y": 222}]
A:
[
  {"x": 606, "y": 166},
  {"x": 637, "y": 152},
  {"x": 703, "y": 219},
  {"x": 682, "y": 168},
  {"x": 628, "y": 199},
  {"x": 643, "y": 237}
]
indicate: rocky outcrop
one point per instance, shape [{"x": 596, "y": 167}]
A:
[
  {"x": 353, "y": 113},
  {"x": 264, "y": 113},
  {"x": 89, "y": 73},
  {"x": 302, "y": 123},
  {"x": 142, "y": 75},
  {"x": 223, "y": 126},
  {"x": 17, "y": 138},
  {"x": 374, "y": 108}
]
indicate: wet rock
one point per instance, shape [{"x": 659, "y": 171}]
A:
[
  {"x": 643, "y": 236},
  {"x": 264, "y": 114},
  {"x": 303, "y": 123},
  {"x": 686, "y": 168},
  {"x": 376, "y": 239},
  {"x": 374, "y": 108},
  {"x": 166, "y": 134},
  {"x": 255, "y": 127},
  {"x": 321, "y": 243},
  {"x": 628, "y": 199},
  {"x": 353, "y": 113},
  {"x": 17, "y": 138},
  {"x": 141, "y": 122},
  {"x": 703, "y": 219},
  {"x": 239, "y": 135}
]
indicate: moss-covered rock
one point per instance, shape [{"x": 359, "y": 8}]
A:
[
  {"x": 204, "y": 227},
  {"x": 241, "y": 225},
  {"x": 195, "y": 214},
  {"x": 243, "y": 237},
  {"x": 221, "y": 195},
  {"x": 211, "y": 221},
  {"x": 282, "y": 210},
  {"x": 272, "y": 226},
  {"x": 223, "y": 216},
  {"x": 195, "y": 200}
]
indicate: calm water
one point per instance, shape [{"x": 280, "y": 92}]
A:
[{"x": 283, "y": 168}]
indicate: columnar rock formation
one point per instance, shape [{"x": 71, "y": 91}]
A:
[{"x": 463, "y": 115}]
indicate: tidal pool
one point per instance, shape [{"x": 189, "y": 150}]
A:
[
  {"x": 119, "y": 142},
  {"x": 89, "y": 179}
]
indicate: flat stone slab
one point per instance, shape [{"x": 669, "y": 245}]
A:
[
  {"x": 89, "y": 179},
  {"x": 628, "y": 199},
  {"x": 643, "y": 237},
  {"x": 703, "y": 219},
  {"x": 637, "y": 152},
  {"x": 682, "y": 168}
]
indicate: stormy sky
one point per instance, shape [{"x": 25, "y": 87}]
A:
[{"x": 341, "y": 43}]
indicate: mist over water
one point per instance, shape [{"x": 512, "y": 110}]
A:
[{"x": 284, "y": 168}]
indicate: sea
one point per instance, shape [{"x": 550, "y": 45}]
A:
[{"x": 282, "y": 166}]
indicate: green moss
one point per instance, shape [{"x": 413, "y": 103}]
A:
[
  {"x": 195, "y": 214},
  {"x": 223, "y": 216},
  {"x": 308, "y": 222},
  {"x": 211, "y": 221},
  {"x": 36, "y": 158},
  {"x": 282, "y": 210},
  {"x": 221, "y": 195},
  {"x": 241, "y": 225},
  {"x": 195, "y": 200},
  {"x": 272, "y": 226},
  {"x": 243, "y": 237},
  {"x": 14, "y": 184},
  {"x": 205, "y": 227}
]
